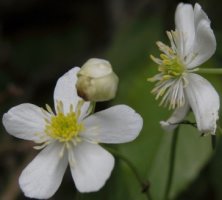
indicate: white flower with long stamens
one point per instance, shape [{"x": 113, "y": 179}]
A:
[
  {"x": 69, "y": 136},
  {"x": 192, "y": 43}
]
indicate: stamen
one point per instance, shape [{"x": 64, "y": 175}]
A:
[
  {"x": 172, "y": 42},
  {"x": 78, "y": 108},
  {"x": 63, "y": 127},
  {"x": 38, "y": 147},
  {"x": 59, "y": 106},
  {"x": 156, "y": 60},
  {"x": 49, "y": 109},
  {"x": 170, "y": 80}
]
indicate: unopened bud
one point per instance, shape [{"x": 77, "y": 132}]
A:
[{"x": 97, "y": 81}]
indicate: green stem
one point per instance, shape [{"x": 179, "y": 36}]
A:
[
  {"x": 144, "y": 184},
  {"x": 172, "y": 163},
  {"x": 91, "y": 108},
  {"x": 213, "y": 141},
  {"x": 209, "y": 70},
  {"x": 186, "y": 122}
]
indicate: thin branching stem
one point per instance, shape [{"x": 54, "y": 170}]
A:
[
  {"x": 172, "y": 163},
  {"x": 213, "y": 141},
  {"x": 143, "y": 183}
]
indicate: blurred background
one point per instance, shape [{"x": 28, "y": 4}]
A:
[{"x": 41, "y": 39}]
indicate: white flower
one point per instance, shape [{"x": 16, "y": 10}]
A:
[
  {"x": 192, "y": 43},
  {"x": 97, "y": 81},
  {"x": 69, "y": 136}
]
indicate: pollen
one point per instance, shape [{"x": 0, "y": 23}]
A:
[{"x": 63, "y": 127}]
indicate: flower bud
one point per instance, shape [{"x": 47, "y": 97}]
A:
[{"x": 97, "y": 81}]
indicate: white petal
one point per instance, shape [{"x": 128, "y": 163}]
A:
[
  {"x": 25, "y": 121},
  {"x": 65, "y": 91},
  {"x": 205, "y": 41},
  {"x": 204, "y": 101},
  {"x": 178, "y": 115},
  {"x": 184, "y": 20},
  {"x": 199, "y": 14},
  {"x": 43, "y": 176},
  {"x": 114, "y": 125},
  {"x": 91, "y": 166}
]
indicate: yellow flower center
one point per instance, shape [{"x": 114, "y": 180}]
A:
[
  {"x": 171, "y": 67},
  {"x": 171, "y": 79},
  {"x": 63, "y": 127}
]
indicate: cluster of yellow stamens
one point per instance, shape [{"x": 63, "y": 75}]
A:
[
  {"x": 172, "y": 77},
  {"x": 63, "y": 127}
]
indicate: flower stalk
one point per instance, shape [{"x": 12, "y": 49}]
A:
[
  {"x": 209, "y": 71},
  {"x": 172, "y": 163},
  {"x": 213, "y": 141},
  {"x": 145, "y": 184}
]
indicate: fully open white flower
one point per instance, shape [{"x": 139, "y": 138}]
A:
[
  {"x": 192, "y": 43},
  {"x": 69, "y": 136}
]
